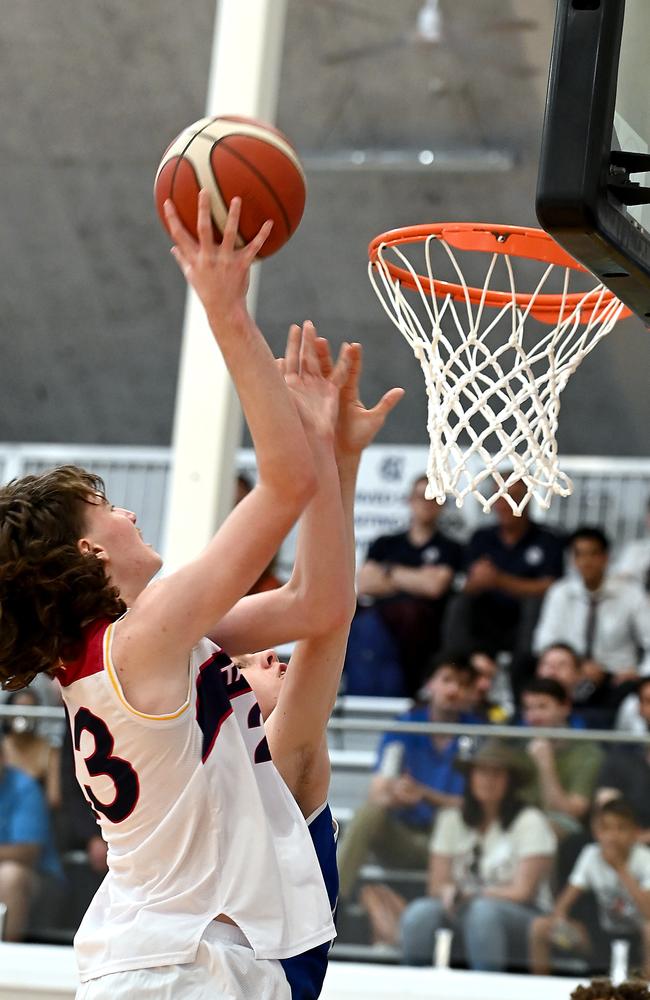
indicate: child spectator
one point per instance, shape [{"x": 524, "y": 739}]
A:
[
  {"x": 489, "y": 867},
  {"x": 617, "y": 870}
]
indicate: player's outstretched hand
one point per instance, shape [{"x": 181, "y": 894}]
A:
[
  {"x": 218, "y": 272},
  {"x": 357, "y": 426},
  {"x": 316, "y": 395}
]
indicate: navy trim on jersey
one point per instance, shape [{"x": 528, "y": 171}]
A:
[{"x": 306, "y": 972}]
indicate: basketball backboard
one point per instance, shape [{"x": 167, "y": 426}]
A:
[{"x": 593, "y": 190}]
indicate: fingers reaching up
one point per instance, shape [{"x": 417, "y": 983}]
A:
[{"x": 217, "y": 271}]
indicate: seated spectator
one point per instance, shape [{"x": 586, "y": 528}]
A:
[
  {"x": 561, "y": 663},
  {"x": 415, "y": 775},
  {"x": 510, "y": 566},
  {"x": 25, "y": 749},
  {"x": 633, "y": 563},
  {"x": 626, "y": 770},
  {"x": 605, "y": 619},
  {"x": 403, "y": 588},
  {"x": 489, "y": 868},
  {"x": 27, "y": 852},
  {"x": 566, "y": 769},
  {"x": 617, "y": 870},
  {"x": 632, "y": 716},
  {"x": 486, "y": 699},
  {"x": 76, "y": 824}
]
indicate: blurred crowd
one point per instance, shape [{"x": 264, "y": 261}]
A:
[{"x": 537, "y": 850}]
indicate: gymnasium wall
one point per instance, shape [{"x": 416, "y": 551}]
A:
[{"x": 91, "y": 303}]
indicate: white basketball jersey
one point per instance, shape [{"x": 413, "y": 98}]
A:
[{"x": 197, "y": 820}]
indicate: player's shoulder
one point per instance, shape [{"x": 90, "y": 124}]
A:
[{"x": 89, "y": 657}]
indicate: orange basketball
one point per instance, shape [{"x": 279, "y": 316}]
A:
[{"x": 233, "y": 156}]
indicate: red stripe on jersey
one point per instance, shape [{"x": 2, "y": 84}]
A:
[{"x": 91, "y": 660}]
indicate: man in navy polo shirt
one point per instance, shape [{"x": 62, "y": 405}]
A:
[
  {"x": 414, "y": 777},
  {"x": 406, "y": 578},
  {"x": 510, "y": 566}
]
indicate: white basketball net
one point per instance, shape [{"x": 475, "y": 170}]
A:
[{"x": 493, "y": 401}]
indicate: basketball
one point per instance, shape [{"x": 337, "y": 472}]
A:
[{"x": 234, "y": 156}]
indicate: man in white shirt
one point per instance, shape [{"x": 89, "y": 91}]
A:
[
  {"x": 604, "y": 618},
  {"x": 633, "y": 562}
]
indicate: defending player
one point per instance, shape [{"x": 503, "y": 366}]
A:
[
  {"x": 296, "y": 701},
  {"x": 210, "y": 863}
]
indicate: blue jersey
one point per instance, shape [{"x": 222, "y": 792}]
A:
[{"x": 305, "y": 973}]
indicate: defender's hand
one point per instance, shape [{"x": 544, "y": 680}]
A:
[{"x": 357, "y": 426}]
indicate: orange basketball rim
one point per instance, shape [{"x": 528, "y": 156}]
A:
[{"x": 511, "y": 241}]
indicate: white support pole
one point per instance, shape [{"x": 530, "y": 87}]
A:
[{"x": 244, "y": 79}]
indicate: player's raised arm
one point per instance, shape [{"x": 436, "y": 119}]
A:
[
  {"x": 296, "y": 728},
  {"x": 172, "y": 614},
  {"x": 318, "y": 597}
]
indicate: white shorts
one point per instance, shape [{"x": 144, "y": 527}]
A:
[{"x": 224, "y": 969}]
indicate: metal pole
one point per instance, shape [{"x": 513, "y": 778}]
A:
[{"x": 244, "y": 80}]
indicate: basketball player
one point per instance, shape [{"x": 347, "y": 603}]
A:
[
  {"x": 296, "y": 701},
  {"x": 212, "y": 874}
]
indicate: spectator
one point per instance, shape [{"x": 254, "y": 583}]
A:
[
  {"x": 617, "y": 870},
  {"x": 26, "y": 849},
  {"x": 605, "y": 619},
  {"x": 76, "y": 825},
  {"x": 268, "y": 580},
  {"x": 48, "y": 694},
  {"x": 407, "y": 579},
  {"x": 489, "y": 868},
  {"x": 561, "y": 663},
  {"x": 395, "y": 823},
  {"x": 626, "y": 769},
  {"x": 631, "y": 716},
  {"x": 633, "y": 563},
  {"x": 487, "y": 700},
  {"x": 566, "y": 770},
  {"x": 510, "y": 566},
  {"x": 26, "y": 750}
]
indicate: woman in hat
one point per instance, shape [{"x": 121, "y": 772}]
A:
[{"x": 489, "y": 867}]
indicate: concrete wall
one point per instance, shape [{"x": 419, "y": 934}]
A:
[{"x": 90, "y": 302}]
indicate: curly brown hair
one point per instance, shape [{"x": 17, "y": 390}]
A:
[
  {"x": 49, "y": 590},
  {"x": 604, "y": 989}
]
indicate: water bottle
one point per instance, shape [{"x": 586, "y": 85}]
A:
[
  {"x": 442, "y": 948},
  {"x": 391, "y": 760}
]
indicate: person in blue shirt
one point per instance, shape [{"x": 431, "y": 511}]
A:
[
  {"x": 26, "y": 847},
  {"x": 414, "y": 777}
]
